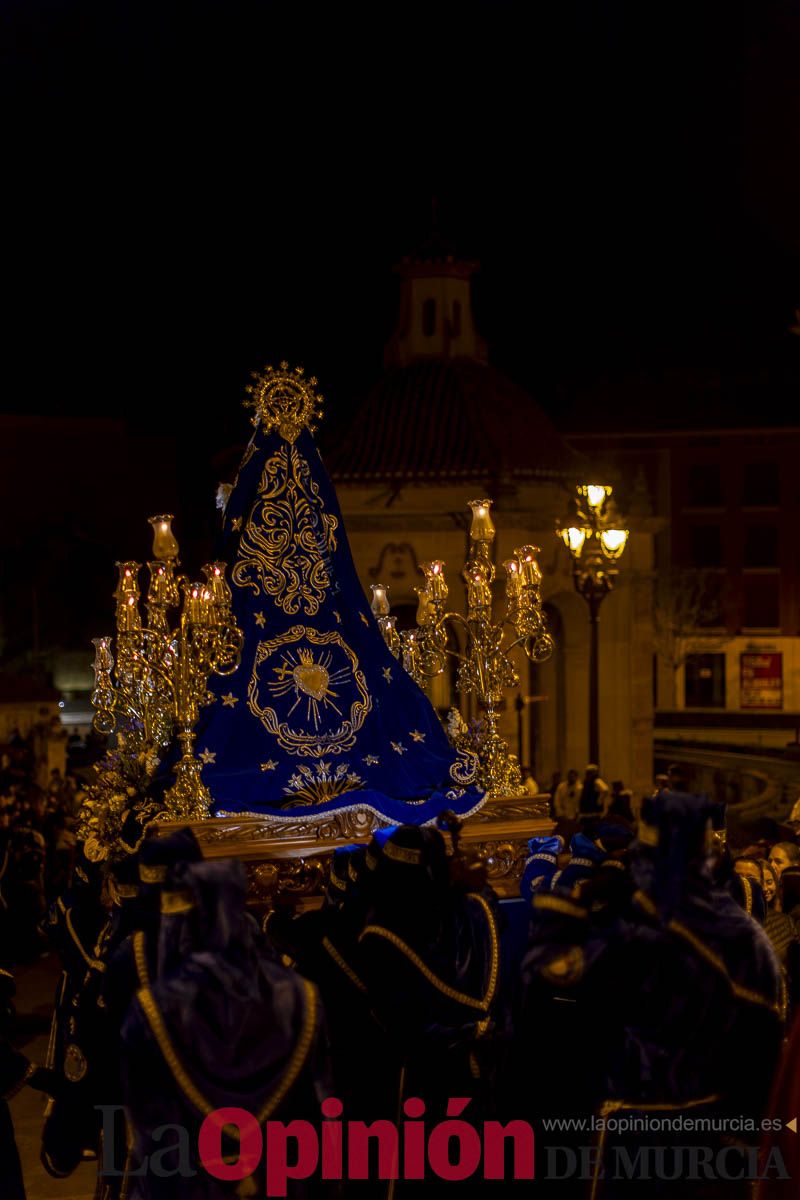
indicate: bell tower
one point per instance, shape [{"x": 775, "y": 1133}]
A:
[{"x": 435, "y": 319}]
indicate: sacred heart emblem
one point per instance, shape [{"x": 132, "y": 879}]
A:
[{"x": 313, "y": 679}]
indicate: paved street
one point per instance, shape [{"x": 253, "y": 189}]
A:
[{"x": 36, "y": 986}]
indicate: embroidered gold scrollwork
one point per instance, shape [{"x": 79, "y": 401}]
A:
[
  {"x": 286, "y": 545},
  {"x": 465, "y": 768}
]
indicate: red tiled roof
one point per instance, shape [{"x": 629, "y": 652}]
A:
[{"x": 457, "y": 419}]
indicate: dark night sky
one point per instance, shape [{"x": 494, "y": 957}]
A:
[{"x": 195, "y": 189}]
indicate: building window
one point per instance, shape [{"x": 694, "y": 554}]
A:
[
  {"x": 711, "y": 612},
  {"x": 761, "y": 546},
  {"x": 762, "y": 487},
  {"x": 428, "y": 317},
  {"x": 456, "y": 318},
  {"x": 762, "y": 601},
  {"x": 705, "y": 546},
  {"x": 705, "y": 681},
  {"x": 704, "y": 486}
]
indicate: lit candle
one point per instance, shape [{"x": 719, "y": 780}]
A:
[
  {"x": 390, "y": 634},
  {"x": 529, "y": 567},
  {"x": 410, "y": 650},
  {"x": 513, "y": 578},
  {"x": 194, "y": 604},
  {"x": 482, "y": 529},
  {"x": 217, "y": 583},
  {"x": 435, "y": 583},
  {"x": 103, "y": 657},
  {"x": 380, "y": 600},
  {"x": 158, "y": 590},
  {"x": 128, "y": 617},
  {"x": 165, "y": 546},
  {"x": 128, "y": 583},
  {"x": 479, "y": 594}
]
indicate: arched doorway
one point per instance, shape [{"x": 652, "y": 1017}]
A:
[{"x": 547, "y": 706}]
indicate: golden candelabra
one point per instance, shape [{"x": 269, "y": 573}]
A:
[
  {"x": 162, "y": 670},
  {"x": 485, "y": 668}
]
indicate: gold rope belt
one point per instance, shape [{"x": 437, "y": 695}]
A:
[
  {"x": 714, "y": 960},
  {"x": 93, "y": 963},
  {"x": 343, "y": 965},
  {"x": 428, "y": 974},
  {"x": 176, "y": 1066},
  {"x": 611, "y": 1106}
]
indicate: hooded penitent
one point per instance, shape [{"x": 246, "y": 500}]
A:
[
  {"x": 220, "y": 1024},
  {"x": 320, "y": 716},
  {"x": 662, "y": 981}
]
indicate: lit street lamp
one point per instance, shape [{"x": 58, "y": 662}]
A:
[{"x": 596, "y": 541}]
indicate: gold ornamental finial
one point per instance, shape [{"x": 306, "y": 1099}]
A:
[{"x": 284, "y": 400}]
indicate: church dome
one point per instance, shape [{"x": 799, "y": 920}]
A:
[
  {"x": 438, "y": 419},
  {"x": 439, "y": 412}
]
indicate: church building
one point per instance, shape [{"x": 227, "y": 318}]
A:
[{"x": 442, "y": 427}]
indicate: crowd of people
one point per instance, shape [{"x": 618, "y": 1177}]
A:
[
  {"x": 37, "y": 848},
  {"x": 646, "y": 958}
]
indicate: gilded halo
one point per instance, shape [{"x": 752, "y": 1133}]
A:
[{"x": 285, "y": 400}]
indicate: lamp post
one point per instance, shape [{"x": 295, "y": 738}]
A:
[{"x": 596, "y": 541}]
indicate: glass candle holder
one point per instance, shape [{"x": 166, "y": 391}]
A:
[
  {"x": 529, "y": 567},
  {"x": 435, "y": 583},
  {"x": 513, "y": 577},
  {"x": 165, "y": 546},
  {"x": 380, "y": 600},
  {"x": 482, "y": 528}
]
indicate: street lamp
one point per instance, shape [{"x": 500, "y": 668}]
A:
[{"x": 596, "y": 541}]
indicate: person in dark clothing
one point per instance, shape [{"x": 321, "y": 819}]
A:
[
  {"x": 220, "y": 1024},
  {"x": 620, "y": 803},
  {"x": 664, "y": 1049},
  {"x": 16, "y": 1072},
  {"x": 594, "y": 794},
  {"x": 430, "y": 958}
]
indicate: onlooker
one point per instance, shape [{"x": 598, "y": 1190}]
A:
[
  {"x": 783, "y": 855},
  {"x": 620, "y": 802},
  {"x": 594, "y": 794},
  {"x": 566, "y": 801},
  {"x": 529, "y": 783}
]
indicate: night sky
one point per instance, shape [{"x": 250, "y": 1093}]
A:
[{"x": 193, "y": 190}]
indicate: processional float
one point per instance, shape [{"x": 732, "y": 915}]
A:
[{"x": 281, "y": 714}]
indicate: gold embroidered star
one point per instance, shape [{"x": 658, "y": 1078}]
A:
[
  {"x": 260, "y": 620},
  {"x": 230, "y": 700},
  {"x": 387, "y": 674},
  {"x": 364, "y": 619},
  {"x": 338, "y": 617},
  {"x": 236, "y": 524},
  {"x": 207, "y": 756},
  {"x": 417, "y": 736},
  {"x": 371, "y": 760},
  {"x": 270, "y": 765},
  {"x": 398, "y": 747}
]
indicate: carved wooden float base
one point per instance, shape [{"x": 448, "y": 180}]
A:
[{"x": 292, "y": 858}]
